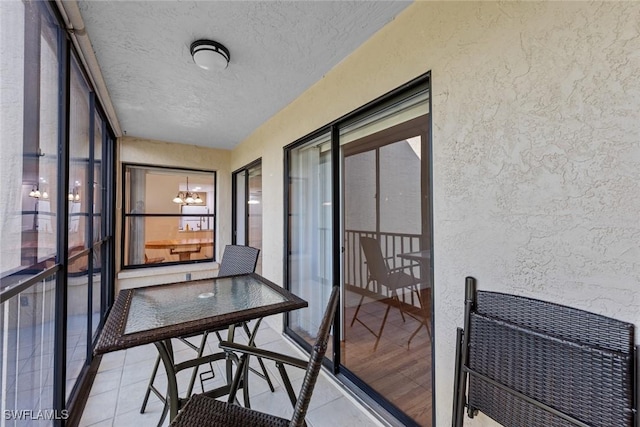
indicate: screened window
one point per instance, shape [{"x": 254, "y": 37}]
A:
[
  {"x": 169, "y": 215},
  {"x": 56, "y": 267}
]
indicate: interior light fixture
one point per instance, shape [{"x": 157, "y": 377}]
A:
[
  {"x": 74, "y": 195},
  {"x": 187, "y": 197},
  {"x": 210, "y": 55},
  {"x": 36, "y": 194}
]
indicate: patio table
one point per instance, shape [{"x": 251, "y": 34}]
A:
[
  {"x": 420, "y": 256},
  {"x": 155, "y": 314},
  {"x": 424, "y": 312}
]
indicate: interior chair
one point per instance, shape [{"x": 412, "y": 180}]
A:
[
  {"x": 235, "y": 260},
  {"x": 204, "y": 411},
  {"x": 392, "y": 279}
]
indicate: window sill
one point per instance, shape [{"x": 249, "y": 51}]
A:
[{"x": 136, "y": 278}]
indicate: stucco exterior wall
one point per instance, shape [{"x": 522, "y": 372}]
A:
[
  {"x": 536, "y": 151},
  {"x": 160, "y": 153}
]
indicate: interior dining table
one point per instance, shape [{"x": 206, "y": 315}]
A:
[
  {"x": 181, "y": 247},
  {"x": 156, "y": 314}
]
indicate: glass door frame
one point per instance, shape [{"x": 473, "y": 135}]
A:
[
  {"x": 333, "y": 362},
  {"x": 234, "y": 201},
  {"x": 246, "y": 194}
]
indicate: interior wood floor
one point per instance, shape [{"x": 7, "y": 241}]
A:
[{"x": 401, "y": 374}]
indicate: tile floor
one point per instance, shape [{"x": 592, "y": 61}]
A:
[{"x": 119, "y": 387}]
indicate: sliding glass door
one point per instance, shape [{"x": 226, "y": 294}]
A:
[
  {"x": 358, "y": 216},
  {"x": 386, "y": 341}
]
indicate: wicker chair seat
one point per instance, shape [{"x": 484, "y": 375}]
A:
[{"x": 203, "y": 411}]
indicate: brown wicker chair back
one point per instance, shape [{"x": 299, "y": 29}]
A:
[{"x": 238, "y": 259}]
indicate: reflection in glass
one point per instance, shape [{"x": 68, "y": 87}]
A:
[
  {"x": 254, "y": 206},
  {"x": 97, "y": 179},
  {"x": 158, "y": 230},
  {"x": 386, "y": 330},
  {"x": 146, "y": 238},
  {"x": 30, "y": 40},
  {"x": 29, "y": 131},
  {"x": 79, "y": 203},
  {"x": 248, "y": 209}
]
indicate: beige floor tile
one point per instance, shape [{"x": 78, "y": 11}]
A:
[{"x": 122, "y": 379}]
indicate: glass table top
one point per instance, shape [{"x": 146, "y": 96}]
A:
[
  {"x": 155, "y": 313},
  {"x": 167, "y": 305}
]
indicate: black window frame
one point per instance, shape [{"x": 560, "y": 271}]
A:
[{"x": 124, "y": 216}]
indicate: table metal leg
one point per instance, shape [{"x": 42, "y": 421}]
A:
[
  {"x": 166, "y": 354},
  {"x": 172, "y": 403},
  {"x": 192, "y": 382}
]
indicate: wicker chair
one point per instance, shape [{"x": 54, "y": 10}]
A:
[
  {"x": 203, "y": 411},
  {"x": 528, "y": 362},
  {"x": 235, "y": 260}
]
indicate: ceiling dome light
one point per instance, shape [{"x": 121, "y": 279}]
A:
[{"x": 210, "y": 55}]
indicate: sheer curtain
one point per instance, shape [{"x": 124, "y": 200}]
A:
[
  {"x": 310, "y": 232},
  {"x": 138, "y": 184}
]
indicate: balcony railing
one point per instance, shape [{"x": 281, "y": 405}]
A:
[{"x": 26, "y": 353}]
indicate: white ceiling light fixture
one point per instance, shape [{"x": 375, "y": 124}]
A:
[{"x": 210, "y": 55}]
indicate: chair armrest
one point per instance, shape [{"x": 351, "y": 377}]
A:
[
  {"x": 404, "y": 267},
  {"x": 265, "y": 354}
]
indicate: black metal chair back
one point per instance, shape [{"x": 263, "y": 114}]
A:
[
  {"x": 238, "y": 259},
  {"x": 378, "y": 269}
]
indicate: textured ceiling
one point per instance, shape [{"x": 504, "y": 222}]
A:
[{"x": 278, "y": 50}]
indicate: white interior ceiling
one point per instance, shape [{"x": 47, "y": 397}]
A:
[{"x": 278, "y": 50}]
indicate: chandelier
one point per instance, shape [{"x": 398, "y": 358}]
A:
[
  {"x": 74, "y": 194},
  {"x": 187, "y": 197},
  {"x": 35, "y": 193}
]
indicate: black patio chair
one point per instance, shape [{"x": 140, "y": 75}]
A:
[
  {"x": 392, "y": 279},
  {"x": 203, "y": 411}
]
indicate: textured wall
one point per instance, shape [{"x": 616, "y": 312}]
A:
[{"x": 536, "y": 151}]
